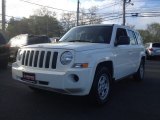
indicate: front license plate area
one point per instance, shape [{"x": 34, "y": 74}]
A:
[{"x": 29, "y": 77}]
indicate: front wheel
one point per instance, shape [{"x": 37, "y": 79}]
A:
[
  {"x": 101, "y": 86},
  {"x": 139, "y": 75}
]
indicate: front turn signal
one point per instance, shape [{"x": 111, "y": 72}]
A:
[{"x": 81, "y": 65}]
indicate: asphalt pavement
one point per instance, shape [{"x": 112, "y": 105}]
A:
[{"x": 130, "y": 100}]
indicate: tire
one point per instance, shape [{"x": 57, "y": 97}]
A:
[
  {"x": 101, "y": 86},
  {"x": 149, "y": 57},
  {"x": 139, "y": 75}
]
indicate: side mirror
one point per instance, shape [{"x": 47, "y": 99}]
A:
[
  {"x": 123, "y": 40},
  {"x": 56, "y": 40}
]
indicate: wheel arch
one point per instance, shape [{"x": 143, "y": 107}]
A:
[
  {"x": 143, "y": 59},
  {"x": 108, "y": 65}
]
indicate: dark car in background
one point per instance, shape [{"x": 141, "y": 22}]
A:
[
  {"x": 24, "y": 40},
  {"x": 4, "y": 52},
  {"x": 152, "y": 50}
]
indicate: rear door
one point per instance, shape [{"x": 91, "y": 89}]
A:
[
  {"x": 122, "y": 56},
  {"x": 134, "y": 51}
]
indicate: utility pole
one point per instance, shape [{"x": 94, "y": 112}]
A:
[
  {"x": 3, "y": 16},
  {"x": 78, "y": 13},
  {"x": 124, "y": 10}
]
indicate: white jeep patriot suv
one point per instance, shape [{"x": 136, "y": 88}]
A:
[{"x": 85, "y": 61}]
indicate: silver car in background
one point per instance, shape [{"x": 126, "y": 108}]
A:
[{"x": 152, "y": 49}]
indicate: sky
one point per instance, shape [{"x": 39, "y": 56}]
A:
[{"x": 109, "y": 9}]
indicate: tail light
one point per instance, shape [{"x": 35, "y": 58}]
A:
[{"x": 151, "y": 49}]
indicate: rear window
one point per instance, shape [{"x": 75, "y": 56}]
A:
[
  {"x": 2, "y": 39},
  {"x": 156, "y": 45},
  {"x": 38, "y": 40}
]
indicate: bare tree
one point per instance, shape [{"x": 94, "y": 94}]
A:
[
  {"x": 68, "y": 21},
  {"x": 90, "y": 16},
  {"x": 43, "y": 12}
]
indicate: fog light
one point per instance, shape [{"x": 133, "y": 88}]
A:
[{"x": 75, "y": 78}]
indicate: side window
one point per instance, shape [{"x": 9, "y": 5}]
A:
[
  {"x": 139, "y": 39},
  {"x": 133, "y": 40},
  {"x": 120, "y": 32}
]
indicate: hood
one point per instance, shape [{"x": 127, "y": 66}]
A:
[{"x": 77, "y": 46}]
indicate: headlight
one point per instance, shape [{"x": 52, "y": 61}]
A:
[{"x": 66, "y": 58}]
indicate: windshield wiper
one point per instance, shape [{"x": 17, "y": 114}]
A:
[{"x": 79, "y": 41}]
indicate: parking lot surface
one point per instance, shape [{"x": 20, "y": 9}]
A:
[{"x": 130, "y": 100}]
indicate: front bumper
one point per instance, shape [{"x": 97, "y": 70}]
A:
[{"x": 62, "y": 82}]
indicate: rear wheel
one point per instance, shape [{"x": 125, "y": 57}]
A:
[
  {"x": 149, "y": 57},
  {"x": 101, "y": 87},
  {"x": 139, "y": 75}
]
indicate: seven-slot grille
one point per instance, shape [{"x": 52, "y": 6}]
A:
[{"x": 39, "y": 58}]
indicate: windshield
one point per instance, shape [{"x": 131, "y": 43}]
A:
[
  {"x": 156, "y": 45},
  {"x": 93, "y": 34}
]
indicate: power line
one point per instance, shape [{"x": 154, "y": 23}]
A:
[
  {"x": 11, "y": 16},
  {"x": 110, "y": 5},
  {"x": 146, "y": 1},
  {"x": 128, "y": 16},
  {"x": 46, "y": 6}
]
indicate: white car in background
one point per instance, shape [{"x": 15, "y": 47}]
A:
[{"x": 152, "y": 49}]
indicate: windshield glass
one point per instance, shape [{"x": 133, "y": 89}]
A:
[
  {"x": 93, "y": 34},
  {"x": 156, "y": 45}
]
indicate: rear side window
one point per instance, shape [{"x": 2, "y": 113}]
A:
[
  {"x": 132, "y": 36},
  {"x": 156, "y": 45},
  {"x": 2, "y": 40},
  {"x": 38, "y": 40},
  {"x": 139, "y": 38}
]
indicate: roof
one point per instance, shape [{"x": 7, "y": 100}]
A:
[{"x": 105, "y": 25}]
